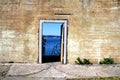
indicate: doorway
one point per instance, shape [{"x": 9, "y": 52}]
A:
[{"x": 52, "y": 41}]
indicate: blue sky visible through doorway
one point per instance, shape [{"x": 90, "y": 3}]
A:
[{"x": 50, "y": 28}]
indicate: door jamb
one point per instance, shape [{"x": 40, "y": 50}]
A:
[{"x": 64, "y": 58}]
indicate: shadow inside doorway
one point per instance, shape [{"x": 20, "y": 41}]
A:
[{"x": 47, "y": 59}]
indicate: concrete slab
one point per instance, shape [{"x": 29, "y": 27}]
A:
[
  {"x": 27, "y": 69},
  {"x": 51, "y": 72},
  {"x": 31, "y": 78},
  {"x": 74, "y": 71},
  {"x": 57, "y": 70},
  {"x": 107, "y": 71}
]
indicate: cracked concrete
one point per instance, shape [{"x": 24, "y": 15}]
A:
[{"x": 56, "y": 71}]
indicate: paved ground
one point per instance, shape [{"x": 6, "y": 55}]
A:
[{"x": 55, "y": 71}]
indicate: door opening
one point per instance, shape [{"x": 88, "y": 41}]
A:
[{"x": 52, "y": 41}]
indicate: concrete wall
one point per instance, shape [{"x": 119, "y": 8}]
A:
[{"x": 93, "y": 28}]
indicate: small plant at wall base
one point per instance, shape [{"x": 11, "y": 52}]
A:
[
  {"x": 86, "y": 61},
  {"x": 83, "y": 62},
  {"x": 78, "y": 61},
  {"x": 107, "y": 61}
]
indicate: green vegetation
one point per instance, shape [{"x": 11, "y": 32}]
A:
[
  {"x": 108, "y": 78},
  {"x": 78, "y": 61},
  {"x": 87, "y": 61},
  {"x": 82, "y": 62},
  {"x": 107, "y": 61}
]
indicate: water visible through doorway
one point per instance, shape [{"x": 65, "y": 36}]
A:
[{"x": 51, "y": 41}]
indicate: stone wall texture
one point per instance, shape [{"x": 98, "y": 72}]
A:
[{"x": 93, "y": 28}]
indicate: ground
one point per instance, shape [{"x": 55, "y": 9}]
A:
[{"x": 56, "y": 71}]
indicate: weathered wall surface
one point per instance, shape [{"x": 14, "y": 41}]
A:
[{"x": 93, "y": 28}]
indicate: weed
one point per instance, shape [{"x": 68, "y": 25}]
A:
[
  {"x": 107, "y": 61},
  {"x": 78, "y": 61},
  {"x": 82, "y": 62}
]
